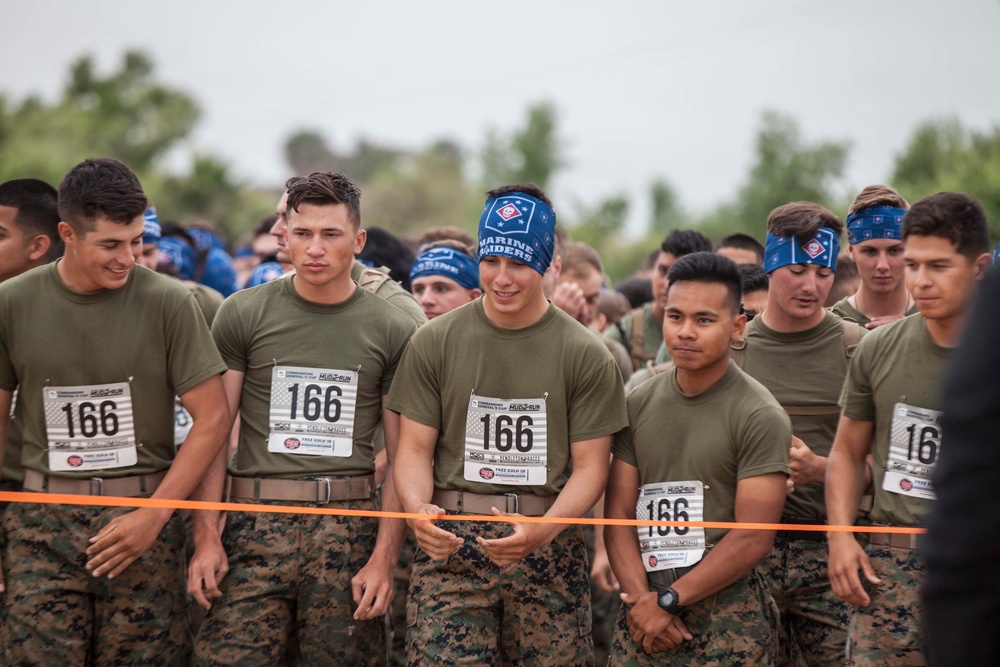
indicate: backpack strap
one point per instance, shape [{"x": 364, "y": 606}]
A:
[
  {"x": 638, "y": 337},
  {"x": 738, "y": 348},
  {"x": 371, "y": 279},
  {"x": 852, "y": 337}
]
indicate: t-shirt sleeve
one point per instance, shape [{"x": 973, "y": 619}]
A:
[
  {"x": 191, "y": 353},
  {"x": 415, "y": 390},
  {"x": 765, "y": 439},
  {"x": 400, "y": 337},
  {"x": 228, "y": 335},
  {"x": 406, "y": 303},
  {"x": 8, "y": 376},
  {"x": 623, "y": 445},
  {"x": 597, "y": 403},
  {"x": 857, "y": 398}
]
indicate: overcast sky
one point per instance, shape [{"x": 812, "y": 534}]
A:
[{"x": 644, "y": 90}]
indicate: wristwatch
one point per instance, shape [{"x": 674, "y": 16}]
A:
[{"x": 669, "y": 601}]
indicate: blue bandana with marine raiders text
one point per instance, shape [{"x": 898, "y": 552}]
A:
[
  {"x": 449, "y": 263},
  {"x": 520, "y": 227},
  {"x": 822, "y": 249},
  {"x": 875, "y": 222}
]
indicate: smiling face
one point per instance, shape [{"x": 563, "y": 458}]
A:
[
  {"x": 102, "y": 258},
  {"x": 795, "y": 296},
  {"x": 322, "y": 242},
  {"x": 880, "y": 264},
  {"x": 514, "y": 297}
]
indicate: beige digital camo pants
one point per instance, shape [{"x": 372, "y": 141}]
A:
[
  {"x": 736, "y": 626},
  {"x": 467, "y": 611},
  {"x": 57, "y": 613},
  {"x": 889, "y": 631},
  {"x": 290, "y": 576}
]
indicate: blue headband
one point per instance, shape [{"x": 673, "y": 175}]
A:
[
  {"x": 181, "y": 255},
  {"x": 822, "y": 249},
  {"x": 875, "y": 222},
  {"x": 449, "y": 263},
  {"x": 996, "y": 254},
  {"x": 518, "y": 226},
  {"x": 151, "y": 222}
]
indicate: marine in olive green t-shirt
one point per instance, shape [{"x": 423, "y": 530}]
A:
[
  {"x": 895, "y": 381},
  {"x": 554, "y": 369},
  {"x": 389, "y": 290},
  {"x": 804, "y": 368},
  {"x": 732, "y": 430},
  {"x": 149, "y": 334},
  {"x": 652, "y": 331},
  {"x": 271, "y": 326}
]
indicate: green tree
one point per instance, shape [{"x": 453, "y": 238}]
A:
[
  {"x": 945, "y": 155},
  {"x": 786, "y": 168},
  {"x": 666, "y": 213},
  {"x": 532, "y": 154},
  {"x": 307, "y": 151}
]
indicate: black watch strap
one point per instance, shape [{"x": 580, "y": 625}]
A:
[{"x": 669, "y": 601}]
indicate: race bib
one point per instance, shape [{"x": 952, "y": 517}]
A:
[
  {"x": 505, "y": 441},
  {"x": 90, "y": 427},
  {"x": 668, "y": 547},
  {"x": 312, "y": 411},
  {"x": 914, "y": 448},
  {"x": 182, "y": 423}
]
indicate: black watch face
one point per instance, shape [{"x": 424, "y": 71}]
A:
[{"x": 668, "y": 599}]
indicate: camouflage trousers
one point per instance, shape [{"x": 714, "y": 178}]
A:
[
  {"x": 290, "y": 576},
  {"x": 56, "y": 613},
  {"x": 813, "y": 627},
  {"x": 889, "y": 631},
  {"x": 396, "y": 619},
  {"x": 736, "y": 626},
  {"x": 467, "y": 611}
]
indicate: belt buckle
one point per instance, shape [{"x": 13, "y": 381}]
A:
[
  {"x": 517, "y": 503},
  {"x": 96, "y": 486},
  {"x": 326, "y": 484}
]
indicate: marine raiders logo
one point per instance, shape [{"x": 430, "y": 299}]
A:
[
  {"x": 511, "y": 215},
  {"x": 509, "y": 212},
  {"x": 814, "y": 248}
]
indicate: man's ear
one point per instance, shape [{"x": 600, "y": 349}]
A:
[{"x": 38, "y": 247}]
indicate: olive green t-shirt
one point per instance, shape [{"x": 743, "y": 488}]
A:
[
  {"x": 895, "y": 380},
  {"x": 653, "y": 336},
  {"x": 271, "y": 327},
  {"x": 393, "y": 294},
  {"x": 843, "y": 308},
  {"x": 732, "y": 430},
  {"x": 806, "y": 368},
  {"x": 556, "y": 364},
  {"x": 149, "y": 333}
]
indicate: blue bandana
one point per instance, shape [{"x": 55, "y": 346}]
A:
[
  {"x": 875, "y": 222},
  {"x": 822, "y": 249},
  {"x": 181, "y": 255},
  {"x": 152, "y": 226},
  {"x": 520, "y": 227},
  {"x": 265, "y": 273},
  {"x": 449, "y": 263},
  {"x": 996, "y": 254}
]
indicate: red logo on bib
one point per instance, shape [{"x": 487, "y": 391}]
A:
[
  {"x": 653, "y": 561},
  {"x": 905, "y": 484},
  {"x": 292, "y": 443},
  {"x": 486, "y": 473},
  {"x": 75, "y": 461}
]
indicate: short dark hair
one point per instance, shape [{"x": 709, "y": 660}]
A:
[
  {"x": 951, "y": 215},
  {"x": 682, "y": 242},
  {"x": 386, "y": 249},
  {"x": 325, "y": 188},
  {"x": 742, "y": 241},
  {"x": 37, "y": 210},
  {"x": 102, "y": 187},
  {"x": 264, "y": 225},
  {"x": 576, "y": 254},
  {"x": 637, "y": 290},
  {"x": 464, "y": 248},
  {"x": 526, "y": 188},
  {"x": 707, "y": 267},
  {"x": 752, "y": 278},
  {"x": 802, "y": 219},
  {"x": 446, "y": 232}
]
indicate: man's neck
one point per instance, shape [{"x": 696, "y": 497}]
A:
[
  {"x": 875, "y": 304},
  {"x": 521, "y": 319},
  {"x": 946, "y": 332},
  {"x": 695, "y": 382},
  {"x": 329, "y": 295},
  {"x": 775, "y": 320}
]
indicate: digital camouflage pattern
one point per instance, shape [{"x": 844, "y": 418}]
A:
[
  {"x": 734, "y": 627},
  {"x": 396, "y": 619},
  {"x": 56, "y": 613},
  {"x": 889, "y": 631},
  {"x": 813, "y": 626},
  {"x": 467, "y": 611},
  {"x": 290, "y": 574}
]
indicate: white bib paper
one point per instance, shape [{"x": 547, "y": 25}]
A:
[
  {"x": 312, "y": 411},
  {"x": 90, "y": 427},
  {"x": 914, "y": 449},
  {"x": 505, "y": 441},
  {"x": 668, "y": 547},
  {"x": 182, "y": 423}
]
